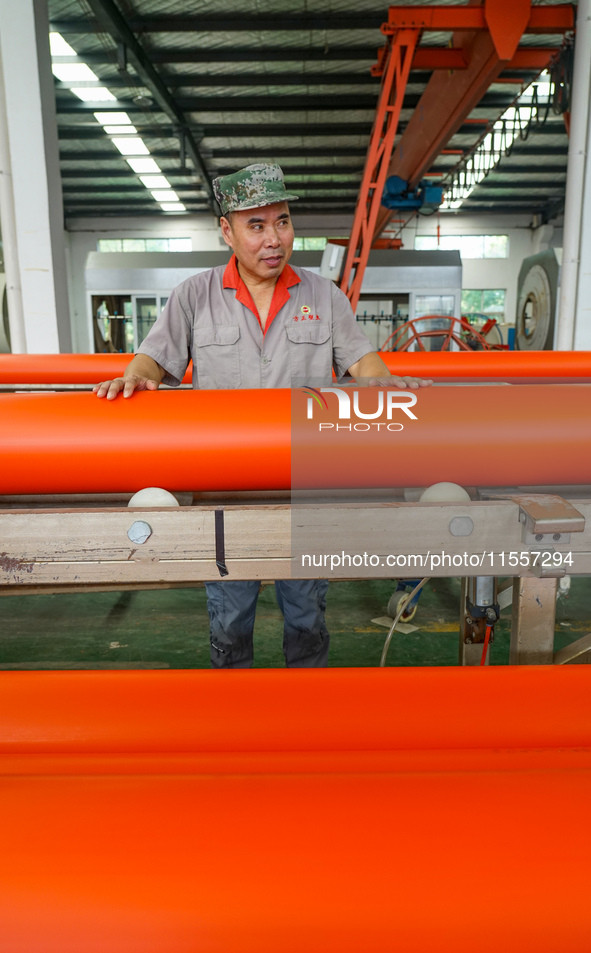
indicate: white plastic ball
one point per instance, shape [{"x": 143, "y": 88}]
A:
[
  {"x": 445, "y": 493},
  {"x": 153, "y": 496}
]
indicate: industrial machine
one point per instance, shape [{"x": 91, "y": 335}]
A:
[
  {"x": 537, "y": 296},
  {"x": 398, "y": 195}
]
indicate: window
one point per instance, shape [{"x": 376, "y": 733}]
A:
[
  {"x": 469, "y": 246},
  {"x": 309, "y": 244},
  {"x": 157, "y": 244},
  {"x": 490, "y": 301},
  {"x": 134, "y": 244},
  {"x": 434, "y": 304},
  {"x": 144, "y": 244},
  {"x": 496, "y": 246}
]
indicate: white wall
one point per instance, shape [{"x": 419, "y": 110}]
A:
[
  {"x": 487, "y": 272},
  {"x": 84, "y": 233}
]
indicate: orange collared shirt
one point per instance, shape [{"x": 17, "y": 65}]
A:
[{"x": 287, "y": 279}]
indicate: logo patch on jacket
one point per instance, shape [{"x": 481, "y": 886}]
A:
[{"x": 306, "y": 314}]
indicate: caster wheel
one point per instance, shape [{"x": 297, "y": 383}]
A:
[{"x": 397, "y": 601}]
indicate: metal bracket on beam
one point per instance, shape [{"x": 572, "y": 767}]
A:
[{"x": 548, "y": 516}]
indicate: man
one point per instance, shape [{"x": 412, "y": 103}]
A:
[{"x": 256, "y": 322}]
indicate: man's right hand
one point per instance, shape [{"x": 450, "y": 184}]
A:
[{"x": 128, "y": 385}]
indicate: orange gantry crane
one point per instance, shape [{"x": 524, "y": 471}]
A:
[{"x": 485, "y": 42}]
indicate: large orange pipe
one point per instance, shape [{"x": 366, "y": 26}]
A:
[
  {"x": 333, "y": 811},
  {"x": 241, "y": 440},
  {"x": 64, "y": 368},
  {"x": 490, "y": 365},
  {"x": 499, "y": 365}
]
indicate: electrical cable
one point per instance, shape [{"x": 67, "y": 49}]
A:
[
  {"x": 485, "y": 646},
  {"x": 466, "y": 175},
  {"x": 401, "y": 607}
]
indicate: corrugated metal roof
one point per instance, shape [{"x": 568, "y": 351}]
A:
[{"x": 261, "y": 85}]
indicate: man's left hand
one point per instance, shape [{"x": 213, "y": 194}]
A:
[
  {"x": 372, "y": 371},
  {"x": 400, "y": 382}
]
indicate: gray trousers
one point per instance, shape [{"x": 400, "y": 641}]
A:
[{"x": 232, "y": 607}]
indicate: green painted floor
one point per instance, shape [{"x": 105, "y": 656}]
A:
[{"x": 169, "y": 628}]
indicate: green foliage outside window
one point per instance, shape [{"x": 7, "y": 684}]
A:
[
  {"x": 309, "y": 244},
  {"x": 489, "y": 301}
]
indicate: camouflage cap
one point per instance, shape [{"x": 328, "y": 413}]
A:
[{"x": 253, "y": 187}]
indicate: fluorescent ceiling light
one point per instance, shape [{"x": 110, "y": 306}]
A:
[
  {"x": 59, "y": 47},
  {"x": 120, "y": 130},
  {"x": 155, "y": 181},
  {"x": 134, "y": 146},
  {"x": 143, "y": 165},
  {"x": 172, "y": 207},
  {"x": 113, "y": 119},
  {"x": 74, "y": 73},
  {"x": 168, "y": 196},
  {"x": 92, "y": 94}
]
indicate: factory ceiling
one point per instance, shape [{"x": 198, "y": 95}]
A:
[{"x": 213, "y": 85}]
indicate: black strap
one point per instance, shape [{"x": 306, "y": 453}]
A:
[{"x": 220, "y": 544}]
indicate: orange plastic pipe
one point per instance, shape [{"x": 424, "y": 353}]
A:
[
  {"x": 64, "y": 368},
  {"x": 333, "y": 811},
  {"x": 498, "y": 365},
  {"x": 232, "y": 440},
  {"x": 490, "y": 365}
]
